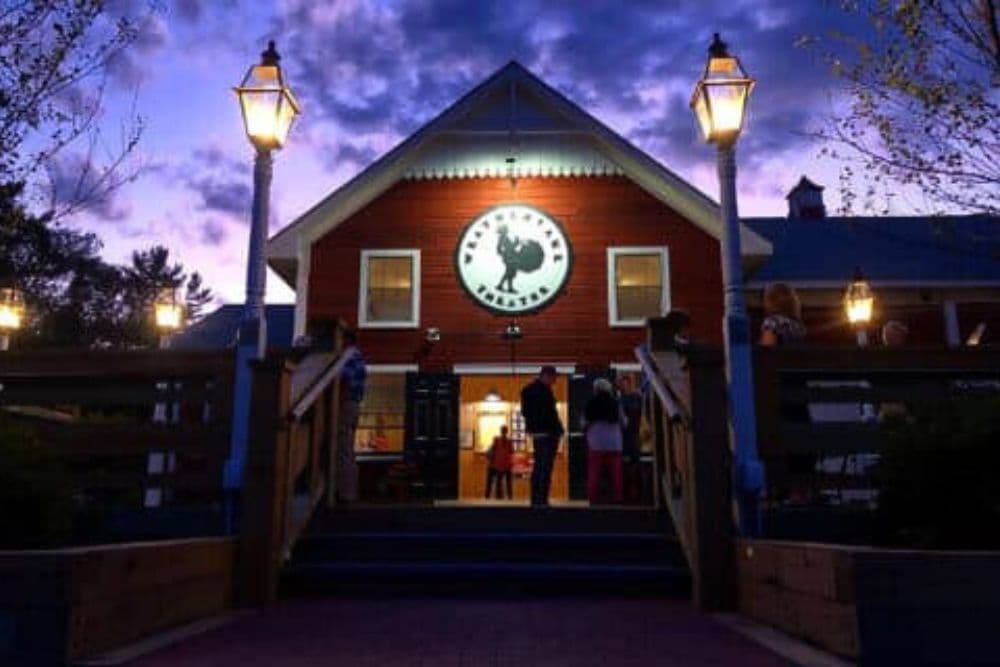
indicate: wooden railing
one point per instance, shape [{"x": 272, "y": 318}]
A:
[
  {"x": 687, "y": 412},
  {"x": 291, "y": 467},
  {"x": 821, "y": 412},
  {"x": 142, "y": 434}
]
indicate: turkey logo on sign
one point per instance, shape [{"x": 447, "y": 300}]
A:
[{"x": 513, "y": 259}]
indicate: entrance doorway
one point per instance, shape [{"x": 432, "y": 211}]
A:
[
  {"x": 432, "y": 431},
  {"x": 488, "y": 402}
]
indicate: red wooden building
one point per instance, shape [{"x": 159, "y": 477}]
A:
[{"x": 511, "y": 231}]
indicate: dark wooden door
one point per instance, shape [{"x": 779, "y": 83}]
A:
[
  {"x": 581, "y": 387},
  {"x": 432, "y": 431}
]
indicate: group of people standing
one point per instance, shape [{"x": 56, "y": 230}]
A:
[{"x": 611, "y": 424}]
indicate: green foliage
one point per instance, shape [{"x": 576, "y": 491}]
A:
[
  {"x": 940, "y": 475},
  {"x": 34, "y": 491},
  {"x": 74, "y": 298},
  {"x": 922, "y": 82}
]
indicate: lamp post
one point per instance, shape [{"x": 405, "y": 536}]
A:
[
  {"x": 719, "y": 103},
  {"x": 268, "y": 109},
  {"x": 11, "y": 315},
  {"x": 859, "y": 302}
]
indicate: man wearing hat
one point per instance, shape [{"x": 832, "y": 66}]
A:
[{"x": 538, "y": 405}]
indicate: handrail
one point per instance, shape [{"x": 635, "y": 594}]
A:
[
  {"x": 323, "y": 381},
  {"x": 668, "y": 399},
  {"x": 687, "y": 411}
]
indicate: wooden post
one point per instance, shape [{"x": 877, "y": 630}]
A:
[
  {"x": 266, "y": 492},
  {"x": 333, "y": 403},
  {"x": 708, "y": 500}
]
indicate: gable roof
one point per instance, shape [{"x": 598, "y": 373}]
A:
[
  {"x": 557, "y": 138},
  {"x": 927, "y": 251},
  {"x": 804, "y": 184}
]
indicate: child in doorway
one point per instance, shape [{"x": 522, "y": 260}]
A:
[{"x": 498, "y": 458}]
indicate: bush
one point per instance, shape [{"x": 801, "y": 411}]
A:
[
  {"x": 940, "y": 476},
  {"x": 35, "y": 502}
]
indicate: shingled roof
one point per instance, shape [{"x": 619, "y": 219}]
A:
[
  {"x": 218, "y": 329},
  {"x": 960, "y": 251}
]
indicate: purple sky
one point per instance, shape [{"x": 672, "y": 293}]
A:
[{"x": 369, "y": 72}]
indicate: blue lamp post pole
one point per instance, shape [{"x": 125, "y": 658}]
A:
[
  {"x": 719, "y": 103},
  {"x": 268, "y": 108}
]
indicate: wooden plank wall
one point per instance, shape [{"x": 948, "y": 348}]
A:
[
  {"x": 66, "y": 604},
  {"x": 596, "y": 213}
]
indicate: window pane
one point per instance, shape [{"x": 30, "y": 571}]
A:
[
  {"x": 639, "y": 286},
  {"x": 382, "y": 415},
  {"x": 390, "y": 285}
]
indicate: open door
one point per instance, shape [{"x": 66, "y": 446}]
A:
[{"x": 432, "y": 431}]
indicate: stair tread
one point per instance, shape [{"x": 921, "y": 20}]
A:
[
  {"x": 493, "y": 566},
  {"x": 527, "y": 536}
]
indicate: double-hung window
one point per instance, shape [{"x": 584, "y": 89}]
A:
[
  {"x": 638, "y": 284},
  {"x": 390, "y": 289}
]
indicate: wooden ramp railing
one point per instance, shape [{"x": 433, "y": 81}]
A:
[
  {"x": 291, "y": 466},
  {"x": 687, "y": 412},
  {"x": 142, "y": 435},
  {"x": 821, "y": 412}
]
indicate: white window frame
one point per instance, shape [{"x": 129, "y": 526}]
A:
[
  {"x": 613, "y": 253},
  {"x": 414, "y": 322}
]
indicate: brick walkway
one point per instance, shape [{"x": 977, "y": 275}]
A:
[{"x": 456, "y": 633}]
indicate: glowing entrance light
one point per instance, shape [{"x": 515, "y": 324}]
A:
[{"x": 859, "y": 301}]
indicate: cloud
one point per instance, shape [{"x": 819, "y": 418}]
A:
[
  {"x": 77, "y": 183},
  {"x": 131, "y": 67},
  {"x": 219, "y": 181},
  {"x": 212, "y": 232},
  {"x": 229, "y": 197},
  {"x": 363, "y": 67}
]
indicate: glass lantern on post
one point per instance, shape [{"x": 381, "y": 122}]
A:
[
  {"x": 859, "y": 303},
  {"x": 12, "y": 313},
  {"x": 720, "y": 98},
  {"x": 266, "y": 102},
  {"x": 168, "y": 313}
]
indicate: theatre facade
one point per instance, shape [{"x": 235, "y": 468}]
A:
[{"x": 511, "y": 231}]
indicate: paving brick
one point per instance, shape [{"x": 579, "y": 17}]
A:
[{"x": 456, "y": 633}]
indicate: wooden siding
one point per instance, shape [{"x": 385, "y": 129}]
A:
[{"x": 596, "y": 213}]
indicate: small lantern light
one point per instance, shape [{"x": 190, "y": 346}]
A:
[
  {"x": 512, "y": 332},
  {"x": 11, "y": 314},
  {"x": 11, "y": 309},
  {"x": 267, "y": 103},
  {"x": 859, "y": 301},
  {"x": 169, "y": 314},
  {"x": 720, "y": 98}
]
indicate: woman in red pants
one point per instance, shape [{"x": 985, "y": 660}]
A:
[{"x": 604, "y": 421}]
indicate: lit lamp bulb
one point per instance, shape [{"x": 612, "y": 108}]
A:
[
  {"x": 11, "y": 314},
  {"x": 859, "y": 302}
]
